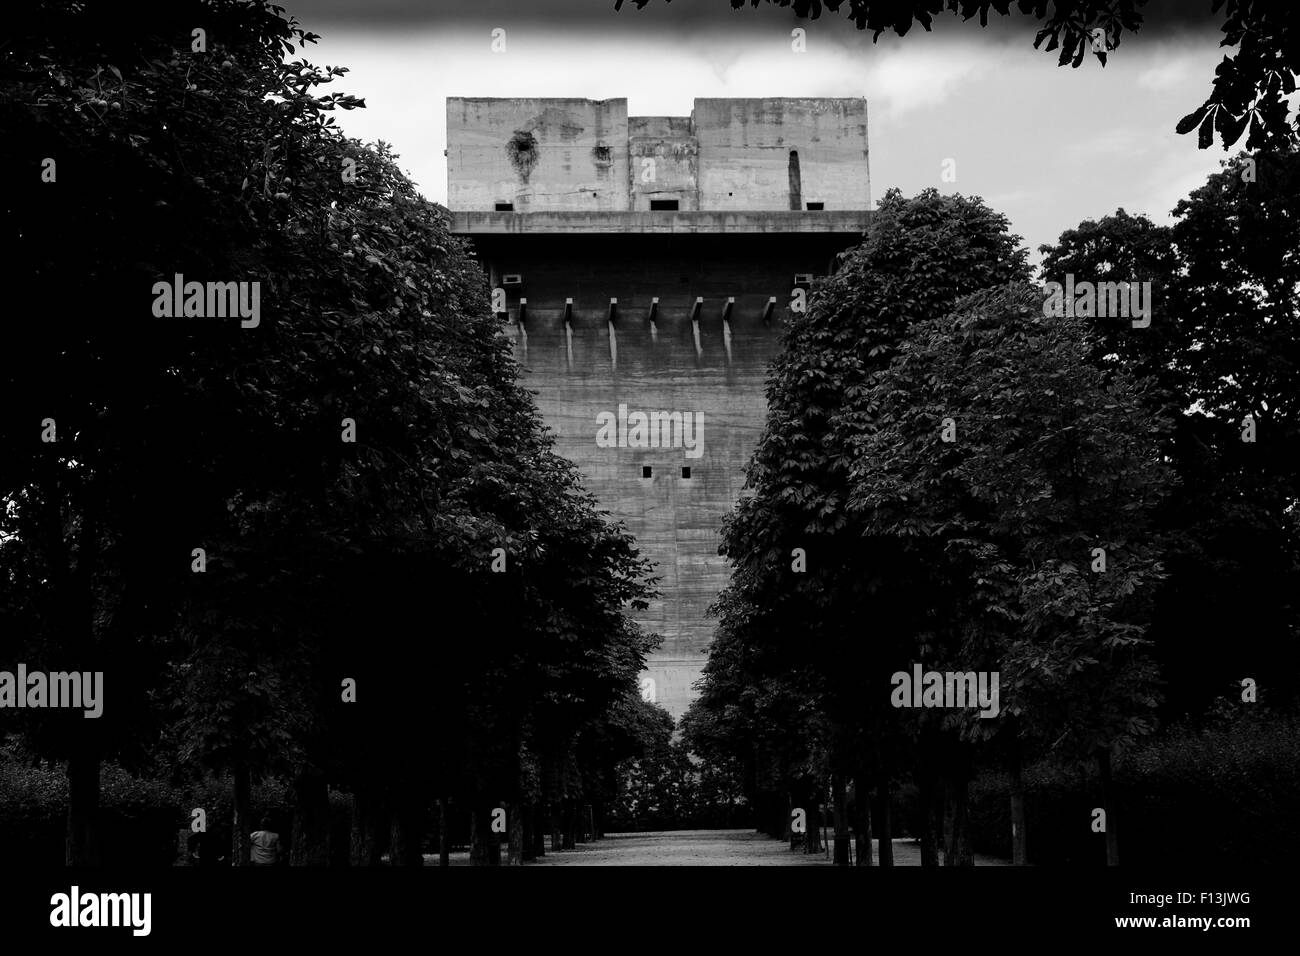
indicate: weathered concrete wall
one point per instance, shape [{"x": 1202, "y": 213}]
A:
[
  {"x": 583, "y": 155},
  {"x": 675, "y": 520},
  {"x": 582, "y": 229},
  {"x": 576, "y": 376},
  {"x": 745, "y": 147},
  {"x": 540, "y": 154},
  {"x": 664, "y": 153},
  {"x": 742, "y": 223}
]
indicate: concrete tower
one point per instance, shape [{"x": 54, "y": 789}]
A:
[{"x": 644, "y": 266}]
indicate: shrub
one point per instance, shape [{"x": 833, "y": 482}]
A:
[
  {"x": 1218, "y": 795},
  {"x": 141, "y": 817}
]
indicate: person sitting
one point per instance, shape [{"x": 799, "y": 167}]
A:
[{"x": 265, "y": 845}]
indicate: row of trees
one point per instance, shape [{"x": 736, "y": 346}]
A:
[
  {"x": 333, "y": 544},
  {"x": 1104, "y": 515}
]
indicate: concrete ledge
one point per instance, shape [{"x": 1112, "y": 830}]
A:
[{"x": 755, "y": 222}]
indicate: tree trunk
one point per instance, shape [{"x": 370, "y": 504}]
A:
[
  {"x": 480, "y": 836},
  {"x": 768, "y": 814},
  {"x": 529, "y": 840},
  {"x": 242, "y": 828},
  {"x": 927, "y": 787},
  {"x": 444, "y": 838},
  {"x": 555, "y": 814},
  {"x": 862, "y": 819},
  {"x": 965, "y": 855},
  {"x": 539, "y": 830},
  {"x": 1108, "y": 804},
  {"x": 1019, "y": 845},
  {"x": 956, "y": 849},
  {"x": 74, "y": 619},
  {"x": 570, "y": 824},
  {"x": 494, "y": 848},
  {"x": 884, "y": 823},
  {"x": 366, "y": 837},
  {"x": 81, "y": 845},
  {"x": 406, "y": 829},
  {"x": 477, "y": 847},
  {"x": 840, "y": 816},
  {"x": 311, "y": 821},
  {"x": 515, "y": 834},
  {"x": 949, "y": 837},
  {"x": 812, "y": 839}
]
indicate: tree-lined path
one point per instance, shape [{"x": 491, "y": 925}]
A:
[
  {"x": 227, "y": 498},
  {"x": 710, "y": 848}
]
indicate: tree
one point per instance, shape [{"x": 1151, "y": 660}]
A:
[
  {"x": 108, "y": 507},
  {"x": 759, "y": 708},
  {"x": 1035, "y": 511},
  {"x": 239, "y": 516},
  {"x": 798, "y": 629},
  {"x": 1221, "y": 348}
]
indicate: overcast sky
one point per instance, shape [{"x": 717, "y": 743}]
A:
[{"x": 1046, "y": 145}]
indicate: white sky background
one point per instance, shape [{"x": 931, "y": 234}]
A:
[{"x": 1047, "y": 146}]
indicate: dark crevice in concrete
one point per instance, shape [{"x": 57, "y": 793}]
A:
[{"x": 522, "y": 150}]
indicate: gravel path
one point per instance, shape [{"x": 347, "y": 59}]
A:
[{"x": 709, "y": 848}]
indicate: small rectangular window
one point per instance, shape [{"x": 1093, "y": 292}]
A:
[
  {"x": 505, "y": 207},
  {"x": 645, "y": 471},
  {"x": 816, "y": 206},
  {"x": 664, "y": 205},
  {"x": 686, "y": 471}
]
